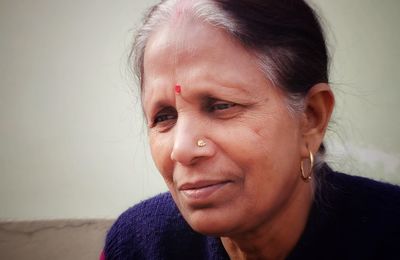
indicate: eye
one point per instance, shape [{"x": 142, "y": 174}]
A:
[
  {"x": 164, "y": 117},
  {"x": 221, "y": 106}
]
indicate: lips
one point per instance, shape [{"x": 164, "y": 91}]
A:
[{"x": 201, "y": 189}]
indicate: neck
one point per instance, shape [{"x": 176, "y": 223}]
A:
[{"x": 277, "y": 237}]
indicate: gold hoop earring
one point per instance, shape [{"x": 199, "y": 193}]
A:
[
  {"x": 307, "y": 177},
  {"x": 201, "y": 143}
]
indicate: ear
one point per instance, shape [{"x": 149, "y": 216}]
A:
[{"x": 319, "y": 104}]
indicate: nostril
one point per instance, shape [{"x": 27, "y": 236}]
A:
[
  {"x": 184, "y": 152},
  {"x": 192, "y": 150}
]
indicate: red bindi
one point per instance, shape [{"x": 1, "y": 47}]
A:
[{"x": 178, "y": 89}]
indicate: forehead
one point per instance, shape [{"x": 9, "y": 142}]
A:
[
  {"x": 185, "y": 41},
  {"x": 184, "y": 35}
]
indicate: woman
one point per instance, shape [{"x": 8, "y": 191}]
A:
[{"x": 237, "y": 102}]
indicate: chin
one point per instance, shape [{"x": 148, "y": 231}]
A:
[{"x": 210, "y": 223}]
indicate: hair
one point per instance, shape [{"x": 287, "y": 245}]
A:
[{"x": 286, "y": 37}]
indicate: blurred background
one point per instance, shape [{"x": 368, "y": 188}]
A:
[{"x": 73, "y": 144}]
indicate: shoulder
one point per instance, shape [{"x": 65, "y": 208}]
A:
[
  {"x": 153, "y": 213},
  {"x": 152, "y": 229},
  {"x": 363, "y": 192},
  {"x": 149, "y": 210},
  {"x": 352, "y": 218},
  {"x": 366, "y": 214}
]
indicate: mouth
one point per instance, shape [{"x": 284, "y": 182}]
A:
[{"x": 201, "y": 190}]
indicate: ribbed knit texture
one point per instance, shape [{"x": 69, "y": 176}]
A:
[{"x": 351, "y": 218}]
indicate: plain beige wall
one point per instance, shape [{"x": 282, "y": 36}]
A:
[
  {"x": 72, "y": 142},
  {"x": 364, "y": 39}
]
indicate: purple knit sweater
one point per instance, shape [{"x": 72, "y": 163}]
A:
[{"x": 351, "y": 218}]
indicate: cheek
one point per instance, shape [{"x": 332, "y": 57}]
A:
[
  {"x": 276, "y": 160},
  {"x": 161, "y": 153},
  {"x": 271, "y": 131},
  {"x": 279, "y": 143},
  {"x": 262, "y": 146}
]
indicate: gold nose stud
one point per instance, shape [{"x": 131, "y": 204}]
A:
[{"x": 201, "y": 143}]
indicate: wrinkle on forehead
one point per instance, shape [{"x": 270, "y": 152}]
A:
[
  {"x": 181, "y": 23},
  {"x": 174, "y": 38}
]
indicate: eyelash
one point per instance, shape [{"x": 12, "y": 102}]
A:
[
  {"x": 220, "y": 106},
  {"x": 164, "y": 116}
]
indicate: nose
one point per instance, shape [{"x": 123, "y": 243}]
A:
[{"x": 191, "y": 143}]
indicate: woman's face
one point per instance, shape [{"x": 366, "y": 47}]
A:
[{"x": 248, "y": 171}]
